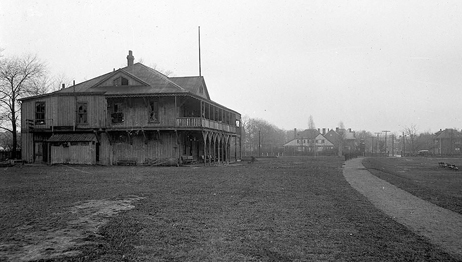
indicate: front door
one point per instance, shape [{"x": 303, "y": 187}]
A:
[
  {"x": 38, "y": 152},
  {"x": 41, "y": 152}
]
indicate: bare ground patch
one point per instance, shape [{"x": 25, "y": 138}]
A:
[{"x": 84, "y": 220}]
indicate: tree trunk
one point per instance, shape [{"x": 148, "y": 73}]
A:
[{"x": 15, "y": 138}]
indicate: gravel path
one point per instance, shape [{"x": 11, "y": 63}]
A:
[{"x": 441, "y": 226}]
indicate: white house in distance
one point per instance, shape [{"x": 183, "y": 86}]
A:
[{"x": 310, "y": 140}]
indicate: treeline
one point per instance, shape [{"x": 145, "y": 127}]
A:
[{"x": 262, "y": 137}]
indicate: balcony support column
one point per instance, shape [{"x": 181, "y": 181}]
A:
[
  {"x": 220, "y": 148},
  {"x": 205, "y": 135},
  {"x": 227, "y": 152}
]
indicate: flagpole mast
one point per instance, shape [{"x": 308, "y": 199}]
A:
[{"x": 199, "y": 33}]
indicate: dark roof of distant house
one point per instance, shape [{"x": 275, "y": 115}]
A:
[
  {"x": 308, "y": 133},
  {"x": 448, "y": 133}
]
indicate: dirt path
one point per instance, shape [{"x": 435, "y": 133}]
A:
[{"x": 441, "y": 226}]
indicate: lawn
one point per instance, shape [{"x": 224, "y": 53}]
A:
[
  {"x": 422, "y": 177},
  {"x": 285, "y": 209}
]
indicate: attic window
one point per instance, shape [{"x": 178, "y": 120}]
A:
[
  {"x": 120, "y": 81},
  {"x": 201, "y": 90}
]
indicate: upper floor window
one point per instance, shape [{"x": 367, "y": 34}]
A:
[
  {"x": 117, "y": 115},
  {"x": 154, "y": 110},
  {"x": 82, "y": 116},
  {"x": 39, "y": 113},
  {"x": 120, "y": 81}
]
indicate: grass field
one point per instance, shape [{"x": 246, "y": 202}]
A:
[
  {"x": 285, "y": 209},
  {"x": 422, "y": 177}
]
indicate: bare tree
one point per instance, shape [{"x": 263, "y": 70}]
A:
[
  {"x": 311, "y": 124},
  {"x": 57, "y": 82},
  {"x": 19, "y": 77},
  {"x": 166, "y": 72},
  {"x": 341, "y": 137},
  {"x": 411, "y": 133},
  {"x": 259, "y": 132}
]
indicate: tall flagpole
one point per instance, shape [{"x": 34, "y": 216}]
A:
[{"x": 199, "y": 32}]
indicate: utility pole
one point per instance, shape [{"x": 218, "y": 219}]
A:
[
  {"x": 372, "y": 145},
  {"x": 386, "y": 132},
  {"x": 378, "y": 149},
  {"x": 259, "y": 143},
  {"x": 392, "y": 145},
  {"x": 404, "y": 145}
]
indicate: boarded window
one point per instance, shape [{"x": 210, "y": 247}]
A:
[
  {"x": 117, "y": 115},
  {"x": 39, "y": 113},
  {"x": 82, "y": 116},
  {"x": 154, "y": 111}
]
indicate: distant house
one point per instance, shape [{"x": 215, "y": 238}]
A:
[
  {"x": 343, "y": 140},
  {"x": 309, "y": 140},
  {"x": 134, "y": 114},
  {"x": 447, "y": 142}
]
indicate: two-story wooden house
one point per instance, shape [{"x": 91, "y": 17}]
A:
[{"x": 134, "y": 114}]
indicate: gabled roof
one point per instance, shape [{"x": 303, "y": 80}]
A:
[
  {"x": 308, "y": 133},
  {"x": 319, "y": 136},
  {"x": 448, "y": 133},
  {"x": 192, "y": 84},
  {"x": 333, "y": 137},
  {"x": 152, "y": 82}
]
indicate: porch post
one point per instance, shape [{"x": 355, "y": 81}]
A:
[
  {"x": 235, "y": 148},
  {"x": 205, "y": 137},
  {"x": 176, "y": 113},
  {"x": 220, "y": 148},
  {"x": 228, "y": 153}
]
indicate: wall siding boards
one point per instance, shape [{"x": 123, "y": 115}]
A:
[
  {"x": 142, "y": 150},
  {"x": 148, "y": 140},
  {"x": 73, "y": 154}
]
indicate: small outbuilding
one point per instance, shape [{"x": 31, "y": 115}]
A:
[{"x": 73, "y": 148}]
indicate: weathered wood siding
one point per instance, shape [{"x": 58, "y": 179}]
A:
[
  {"x": 136, "y": 112},
  {"x": 61, "y": 111},
  {"x": 105, "y": 150},
  {"x": 27, "y": 147},
  {"x": 74, "y": 154},
  {"x": 28, "y": 111},
  {"x": 235, "y": 148},
  {"x": 66, "y": 116},
  {"x": 96, "y": 111},
  {"x": 163, "y": 148}
]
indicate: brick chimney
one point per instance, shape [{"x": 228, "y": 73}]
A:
[
  {"x": 130, "y": 58},
  {"x": 324, "y": 131}
]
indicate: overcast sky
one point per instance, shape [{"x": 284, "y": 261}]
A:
[{"x": 375, "y": 65}]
